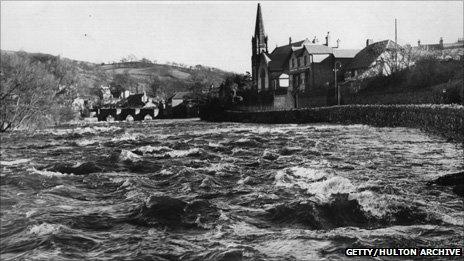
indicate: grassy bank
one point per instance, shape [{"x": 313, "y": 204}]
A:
[{"x": 444, "y": 120}]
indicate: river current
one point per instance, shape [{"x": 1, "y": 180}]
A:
[{"x": 193, "y": 190}]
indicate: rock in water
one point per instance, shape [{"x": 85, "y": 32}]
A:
[
  {"x": 450, "y": 179},
  {"x": 459, "y": 190},
  {"x": 456, "y": 180}
]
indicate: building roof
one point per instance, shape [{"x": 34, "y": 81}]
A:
[
  {"x": 318, "y": 49},
  {"x": 181, "y": 95},
  {"x": 368, "y": 55},
  {"x": 312, "y": 49},
  {"x": 317, "y": 58},
  {"x": 134, "y": 100},
  {"x": 280, "y": 55},
  {"x": 345, "y": 53},
  {"x": 298, "y": 52}
]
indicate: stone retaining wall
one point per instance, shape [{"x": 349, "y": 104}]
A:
[{"x": 444, "y": 120}]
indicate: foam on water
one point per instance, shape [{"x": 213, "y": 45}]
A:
[
  {"x": 45, "y": 229},
  {"x": 80, "y": 130},
  {"x": 127, "y": 155},
  {"x": 153, "y": 149},
  {"x": 294, "y": 249},
  {"x": 127, "y": 137},
  {"x": 216, "y": 167},
  {"x": 372, "y": 203},
  {"x": 300, "y": 176},
  {"x": 333, "y": 185},
  {"x": 48, "y": 173},
  {"x": 14, "y": 162},
  {"x": 183, "y": 153},
  {"x": 85, "y": 142},
  {"x": 315, "y": 181},
  {"x": 165, "y": 172}
]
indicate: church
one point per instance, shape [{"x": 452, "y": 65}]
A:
[{"x": 299, "y": 74}]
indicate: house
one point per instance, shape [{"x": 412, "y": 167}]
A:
[
  {"x": 378, "y": 58},
  {"x": 312, "y": 69},
  {"x": 178, "y": 98},
  {"x": 299, "y": 73},
  {"x": 441, "y": 45},
  {"x": 136, "y": 100},
  {"x": 181, "y": 105}
]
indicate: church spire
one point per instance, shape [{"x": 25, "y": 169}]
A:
[
  {"x": 260, "y": 38},
  {"x": 258, "y": 45},
  {"x": 259, "y": 27}
]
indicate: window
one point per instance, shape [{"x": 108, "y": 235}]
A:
[
  {"x": 305, "y": 62},
  {"x": 298, "y": 62},
  {"x": 284, "y": 80},
  {"x": 293, "y": 62}
]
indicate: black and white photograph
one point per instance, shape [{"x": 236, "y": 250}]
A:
[{"x": 231, "y": 130}]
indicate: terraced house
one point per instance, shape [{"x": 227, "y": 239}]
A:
[{"x": 299, "y": 74}]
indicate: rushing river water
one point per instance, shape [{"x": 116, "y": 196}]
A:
[{"x": 192, "y": 190}]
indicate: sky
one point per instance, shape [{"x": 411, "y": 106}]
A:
[{"x": 215, "y": 34}]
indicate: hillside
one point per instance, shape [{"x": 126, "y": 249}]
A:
[
  {"x": 142, "y": 75},
  {"x": 168, "y": 78},
  {"x": 39, "y": 89}
]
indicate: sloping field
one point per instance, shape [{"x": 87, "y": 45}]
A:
[{"x": 162, "y": 71}]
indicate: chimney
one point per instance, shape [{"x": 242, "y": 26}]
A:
[
  {"x": 314, "y": 40},
  {"x": 369, "y": 42},
  {"x": 418, "y": 43},
  {"x": 289, "y": 40},
  {"x": 327, "y": 39},
  {"x": 338, "y": 43}
]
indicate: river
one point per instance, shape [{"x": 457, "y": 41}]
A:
[{"x": 193, "y": 190}]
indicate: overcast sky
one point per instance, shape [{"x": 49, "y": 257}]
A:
[{"x": 214, "y": 33}]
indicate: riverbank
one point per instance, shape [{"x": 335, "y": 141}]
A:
[{"x": 443, "y": 120}]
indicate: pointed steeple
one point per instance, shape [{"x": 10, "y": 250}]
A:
[
  {"x": 258, "y": 45},
  {"x": 260, "y": 38},
  {"x": 259, "y": 27}
]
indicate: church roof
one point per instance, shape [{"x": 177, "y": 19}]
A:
[{"x": 369, "y": 54}]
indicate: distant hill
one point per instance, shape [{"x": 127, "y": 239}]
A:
[{"x": 170, "y": 78}]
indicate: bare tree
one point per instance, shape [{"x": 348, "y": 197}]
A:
[{"x": 29, "y": 92}]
